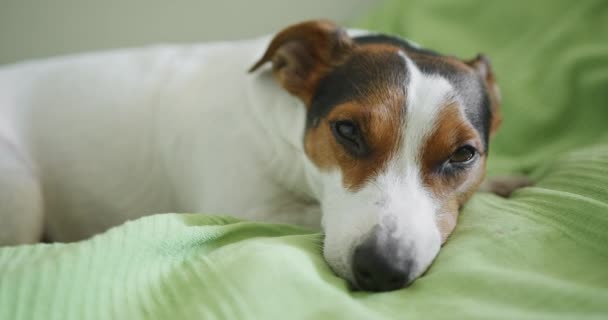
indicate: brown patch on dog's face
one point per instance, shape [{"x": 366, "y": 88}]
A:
[
  {"x": 379, "y": 125},
  {"x": 452, "y": 184},
  {"x": 367, "y": 91}
]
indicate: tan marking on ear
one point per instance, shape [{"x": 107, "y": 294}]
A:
[
  {"x": 482, "y": 66},
  {"x": 303, "y": 53},
  {"x": 380, "y": 123}
]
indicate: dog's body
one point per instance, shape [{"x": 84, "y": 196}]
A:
[
  {"x": 377, "y": 141},
  {"x": 114, "y": 136}
]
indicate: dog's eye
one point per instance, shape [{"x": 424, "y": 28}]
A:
[
  {"x": 346, "y": 130},
  {"x": 463, "y": 155},
  {"x": 348, "y": 134}
]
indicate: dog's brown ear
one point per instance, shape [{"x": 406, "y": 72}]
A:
[
  {"x": 303, "y": 53},
  {"x": 481, "y": 65}
]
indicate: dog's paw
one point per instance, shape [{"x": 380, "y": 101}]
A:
[{"x": 504, "y": 186}]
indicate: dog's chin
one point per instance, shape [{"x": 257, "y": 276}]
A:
[{"x": 339, "y": 262}]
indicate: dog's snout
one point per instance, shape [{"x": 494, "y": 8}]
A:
[{"x": 377, "y": 269}]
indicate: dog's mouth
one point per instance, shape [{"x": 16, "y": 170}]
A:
[
  {"x": 354, "y": 287},
  {"x": 372, "y": 272}
]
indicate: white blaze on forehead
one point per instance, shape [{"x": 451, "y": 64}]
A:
[
  {"x": 404, "y": 194},
  {"x": 427, "y": 95}
]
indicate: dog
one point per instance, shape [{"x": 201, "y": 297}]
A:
[{"x": 370, "y": 137}]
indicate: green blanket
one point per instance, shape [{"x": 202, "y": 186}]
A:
[{"x": 541, "y": 254}]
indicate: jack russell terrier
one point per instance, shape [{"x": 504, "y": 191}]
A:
[{"x": 370, "y": 137}]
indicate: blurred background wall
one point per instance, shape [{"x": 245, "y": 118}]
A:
[{"x": 34, "y": 29}]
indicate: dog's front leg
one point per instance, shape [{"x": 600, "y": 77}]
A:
[
  {"x": 21, "y": 212},
  {"x": 505, "y": 185}
]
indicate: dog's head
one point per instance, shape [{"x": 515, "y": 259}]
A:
[{"x": 399, "y": 135}]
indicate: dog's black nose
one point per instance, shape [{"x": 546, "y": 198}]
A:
[{"x": 376, "y": 269}]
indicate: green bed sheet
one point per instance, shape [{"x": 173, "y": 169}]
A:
[{"x": 541, "y": 254}]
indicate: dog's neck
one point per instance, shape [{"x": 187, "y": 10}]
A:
[{"x": 282, "y": 117}]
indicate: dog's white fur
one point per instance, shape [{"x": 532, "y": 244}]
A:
[{"x": 89, "y": 141}]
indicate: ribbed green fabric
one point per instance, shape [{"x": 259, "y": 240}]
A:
[{"x": 541, "y": 254}]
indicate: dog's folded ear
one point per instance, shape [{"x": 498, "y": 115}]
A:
[
  {"x": 481, "y": 65},
  {"x": 303, "y": 53}
]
